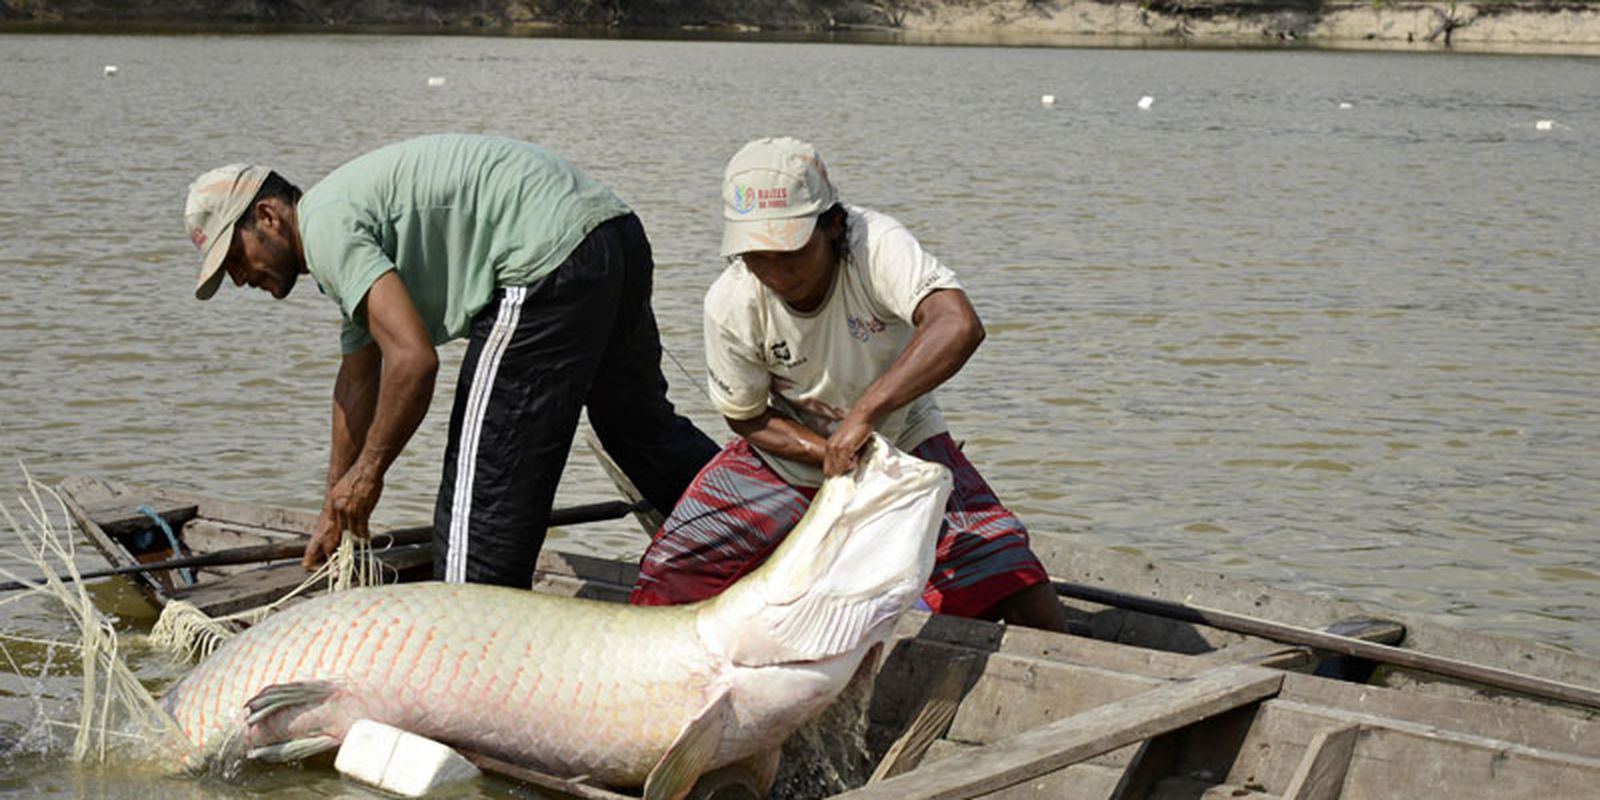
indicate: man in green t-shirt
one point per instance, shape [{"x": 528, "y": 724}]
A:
[{"x": 544, "y": 270}]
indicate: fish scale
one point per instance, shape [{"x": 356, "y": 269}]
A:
[{"x": 488, "y": 652}]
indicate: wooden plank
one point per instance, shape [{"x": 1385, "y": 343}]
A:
[
  {"x": 1079, "y": 737},
  {"x": 931, "y": 721},
  {"x": 209, "y": 535},
  {"x": 1320, "y": 775},
  {"x": 1499, "y": 748},
  {"x": 1401, "y": 734},
  {"x": 1090, "y": 780},
  {"x": 1149, "y": 765},
  {"x": 1203, "y": 752},
  {"x": 1015, "y": 695},
  {"x": 1519, "y": 724},
  {"x": 1414, "y": 762},
  {"x": 612, "y": 573},
  {"x": 256, "y": 515},
  {"x": 79, "y": 493},
  {"x": 121, "y": 516},
  {"x": 1020, "y": 641},
  {"x": 244, "y": 590}
]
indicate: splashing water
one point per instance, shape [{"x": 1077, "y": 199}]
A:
[{"x": 829, "y": 755}]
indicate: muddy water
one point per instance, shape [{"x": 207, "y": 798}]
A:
[{"x": 1323, "y": 319}]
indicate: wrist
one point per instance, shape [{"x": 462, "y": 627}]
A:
[{"x": 368, "y": 466}]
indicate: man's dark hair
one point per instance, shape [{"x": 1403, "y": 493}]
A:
[
  {"x": 841, "y": 243},
  {"x": 273, "y": 186}
]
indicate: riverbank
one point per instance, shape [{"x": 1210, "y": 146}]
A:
[
  {"x": 1378, "y": 24},
  {"x": 1415, "y": 25}
]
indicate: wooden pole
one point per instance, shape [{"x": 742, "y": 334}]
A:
[
  {"x": 1344, "y": 645},
  {"x": 256, "y": 554}
]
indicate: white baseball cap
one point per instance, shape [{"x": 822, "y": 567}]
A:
[
  {"x": 216, "y": 201},
  {"x": 772, "y": 193}
]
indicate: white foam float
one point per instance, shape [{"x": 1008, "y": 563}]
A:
[
  {"x": 111, "y": 69},
  {"x": 436, "y": 81},
  {"x": 1048, "y": 100},
  {"x": 1545, "y": 125},
  {"x": 1145, "y": 102},
  {"x": 399, "y": 761}
]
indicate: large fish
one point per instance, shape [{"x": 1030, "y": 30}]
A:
[{"x": 626, "y": 696}]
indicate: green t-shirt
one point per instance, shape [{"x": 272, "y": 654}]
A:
[{"x": 455, "y": 216}]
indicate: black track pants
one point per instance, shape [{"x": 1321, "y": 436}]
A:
[{"x": 583, "y": 335}]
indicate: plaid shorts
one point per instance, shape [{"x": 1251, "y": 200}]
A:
[{"x": 738, "y": 509}]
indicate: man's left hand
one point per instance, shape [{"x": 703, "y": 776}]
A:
[{"x": 355, "y": 495}]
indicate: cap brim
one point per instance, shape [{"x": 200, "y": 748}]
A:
[
  {"x": 780, "y": 235},
  {"x": 211, "y": 272}
]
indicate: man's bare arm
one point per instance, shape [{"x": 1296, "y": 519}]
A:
[
  {"x": 407, "y": 366},
  {"x": 948, "y": 331},
  {"x": 781, "y": 436}
]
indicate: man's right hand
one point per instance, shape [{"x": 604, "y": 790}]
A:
[{"x": 324, "y": 540}]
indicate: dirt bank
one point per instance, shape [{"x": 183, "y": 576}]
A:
[{"x": 1507, "y": 25}]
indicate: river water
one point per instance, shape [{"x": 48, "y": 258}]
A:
[{"x": 1323, "y": 319}]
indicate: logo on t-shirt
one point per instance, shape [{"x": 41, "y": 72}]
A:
[
  {"x": 781, "y": 354},
  {"x": 864, "y": 328}
]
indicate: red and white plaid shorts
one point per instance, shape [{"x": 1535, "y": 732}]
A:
[{"x": 738, "y": 509}]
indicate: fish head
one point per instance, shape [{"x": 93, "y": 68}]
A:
[{"x": 836, "y": 584}]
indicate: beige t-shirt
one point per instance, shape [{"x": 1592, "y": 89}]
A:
[{"x": 811, "y": 367}]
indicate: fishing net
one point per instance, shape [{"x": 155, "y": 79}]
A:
[
  {"x": 116, "y": 711},
  {"x": 115, "y": 707}
]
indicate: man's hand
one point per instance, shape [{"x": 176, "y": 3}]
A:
[
  {"x": 354, "y": 496},
  {"x": 324, "y": 540},
  {"x": 845, "y": 444},
  {"x": 349, "y": 505}
]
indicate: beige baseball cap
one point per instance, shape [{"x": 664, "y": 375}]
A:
[
  {"x": 216, "y": 201},
  {"x": 772, "y": 193}
]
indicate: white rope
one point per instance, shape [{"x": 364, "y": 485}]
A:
[
  {"x": 106, "y": 678},
  {"x": 186, "y": 631}
]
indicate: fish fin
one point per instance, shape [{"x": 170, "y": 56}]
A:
[
  {"x": 763, "y": 769},
  {"x": 678, "y": 770},
  {"x": 749, "y": 779},
  {"x": 293, "y": 749},
  {"x": 815, "y": 628},
  {"x": 281, "y": 696}
]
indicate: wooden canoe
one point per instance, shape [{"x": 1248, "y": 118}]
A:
[{"x": 1137, "y": 704}]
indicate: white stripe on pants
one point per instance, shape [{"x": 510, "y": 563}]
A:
[{"x": 483, "y": 377}]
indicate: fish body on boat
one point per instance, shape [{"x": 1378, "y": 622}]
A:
[{"x": 624, "y": 695}]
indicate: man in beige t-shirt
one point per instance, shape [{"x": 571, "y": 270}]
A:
[{"x": 831, "y": 322}]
